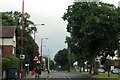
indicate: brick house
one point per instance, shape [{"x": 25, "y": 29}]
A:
[{"x": 8, "y": 40}]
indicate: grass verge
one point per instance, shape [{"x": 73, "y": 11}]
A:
[{"x": 100, "y": 75}]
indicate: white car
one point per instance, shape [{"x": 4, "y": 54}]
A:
[
  {"x": 101, "y": 70},
  {"x": 115, "y": 71}
]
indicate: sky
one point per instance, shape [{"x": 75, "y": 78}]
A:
[{"x": 48, "y": 12}]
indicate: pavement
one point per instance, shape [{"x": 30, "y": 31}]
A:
[{"x": 44, "y": 75}]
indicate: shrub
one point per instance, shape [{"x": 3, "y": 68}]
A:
[
  {"x": 5, "y": 63},
  {"x": 14, "y": 61}
]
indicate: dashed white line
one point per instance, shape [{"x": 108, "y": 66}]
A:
[{"x": 67, "y": 76}]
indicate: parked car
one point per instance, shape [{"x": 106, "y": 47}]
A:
[
  {"x": 115, "y": 71},
  {"x": 101, "y": 70}
]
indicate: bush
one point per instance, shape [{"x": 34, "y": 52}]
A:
[
  {"x": 14, "y": 61},
  {"x": 5, "y": 63}
]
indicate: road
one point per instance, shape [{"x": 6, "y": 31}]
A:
[{"x": 67, "y": 76}]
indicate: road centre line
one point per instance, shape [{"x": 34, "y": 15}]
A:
[
  {"x": 49, "y": 77},
  {"x": 67, "y": 76}
]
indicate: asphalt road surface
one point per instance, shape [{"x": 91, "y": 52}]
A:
[{"x": 67, "y": 76}]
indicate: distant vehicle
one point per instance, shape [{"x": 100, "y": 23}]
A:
[
  {"x": 101, "y": 70},
  {"x": 115, "y": 71}
]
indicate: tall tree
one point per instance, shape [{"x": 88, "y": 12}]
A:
[
  {"x": 52, "y": 65},
  {"x": 93, "y": 28},
  {"x": 61, "y": 59}
]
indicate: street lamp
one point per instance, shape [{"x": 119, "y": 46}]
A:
[
  {"x": 22, "y": 40},
  {"x": 41, "y": 49},
  {"x": 48, "y": 62},
  {"x": 34, "y": 53},
  {"x": 35, "y": 41},
  {"x": 34, "y": 44}
]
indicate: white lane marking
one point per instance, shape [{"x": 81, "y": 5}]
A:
[
  {"x": 67, "y": 76},
  {"x": 49, "y": 77}
]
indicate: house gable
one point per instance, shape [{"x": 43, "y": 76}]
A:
[{"x": 8, "y": 40}]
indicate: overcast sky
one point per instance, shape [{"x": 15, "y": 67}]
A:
[{"x": 48, "y": 12}]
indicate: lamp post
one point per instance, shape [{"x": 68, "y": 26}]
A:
[
  {"x": 48, "y": 62},
  {"x": 35, "y": 41},
  {"x": 22, "y": 41},
  {"x": 41, "y": 49}
]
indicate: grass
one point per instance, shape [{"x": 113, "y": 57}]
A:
[
  {"x": 100, "y": 75},
  {"x": 105, "y": 75}
]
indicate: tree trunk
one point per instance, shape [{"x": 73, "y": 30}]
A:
[
  {"x": 95, "y": 70},
  {"x": 90, "y": 72},
  {"x": 80, "y": 69},
  {"x": 87, "y": 68},
  {"x": 83, "y": 68}
]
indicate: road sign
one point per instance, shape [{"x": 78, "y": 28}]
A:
[
  {"x": 22, "y": 56},
  {"x": 35, "y": 58}
]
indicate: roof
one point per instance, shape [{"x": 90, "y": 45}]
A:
[{"x": 7, "y": 31}]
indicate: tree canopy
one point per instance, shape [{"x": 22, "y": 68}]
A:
[
  {"x": 94, "y": 29},
  {"x": 61, "y": 59}
]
